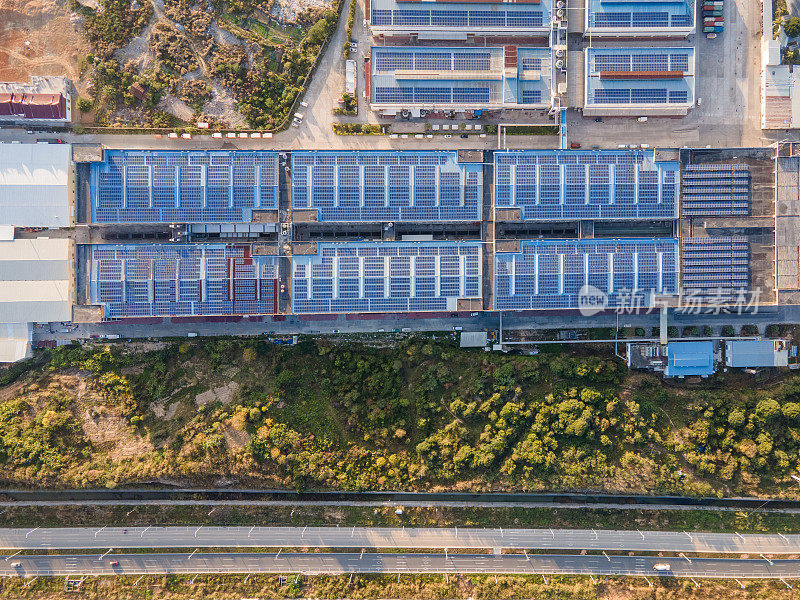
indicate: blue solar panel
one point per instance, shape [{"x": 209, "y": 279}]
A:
[
  {"x": 387, "y": 186},
  {"x": 714, "y": 269},
  {"x": 549, "y": 274},
  {"x": 568, "y": 185},
  {"x": 182, "y": 279},
  {"x": 715, "y": 190},
  {"x": 386, "y": 276},
  {"x": 164, "y": 186},
  {"x": 442, "y": 17}
]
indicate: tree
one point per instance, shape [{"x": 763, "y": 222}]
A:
[
  {"x": 768, "y": 409},
  {"x": 792, "y": 27},
  {"x": 84, "y": 105},
  {"x": 791, "y": 410}
]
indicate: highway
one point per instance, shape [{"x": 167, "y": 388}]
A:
[
  {"x": 80, "y": 538},
  {"x": 326, "y": 563}
]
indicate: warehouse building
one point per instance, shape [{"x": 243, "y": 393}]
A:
[
  {"x": 36, "y": 185},
  {"x": 756, "y": 353},
  {"x": 640, "y": 19},
  {"x": 45, "y": 100},
  {"x": 554, "y": 185},
  {"x": 360, "y": 277},
  {"x": 145, "y": 280},
  {"x": 690, "y": 359},
  {"x": 174, "y": 186},
  {"x": 461, "y": 79},
  {"x": 36, "y": 286},
  {"x": 553, "y": 274},
  {"x": 639, "y": 81},
  {"x": 463, "y": 21},
  {"x": 385, "y": 186}
]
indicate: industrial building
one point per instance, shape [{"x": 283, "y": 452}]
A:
[
  {"x": 550, "y": 274},
  {"x": 652, "y": 81},
  {"x": 386, "y": 186},
  {"x": 356, "y": 277},
  {"x": 548, "y": 185},
  {"x": 465, "y": 21},
  {"x": 36, "y": 185},
  {"x": 756, "y": 353},
  {"x": 45, "y": 100},
  {"x": 144, "y": 280},
  {"x": 642, "y": 19},
  {"x": 371, "y": 232},
  {"x": 172, "y": 186},
  {"x": 690, "y": 359},
  {"x": 463, "y": 79}
]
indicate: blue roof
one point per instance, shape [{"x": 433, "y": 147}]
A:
[
  {"x": 178, "y": 186},
  {"x": 555, "y": 185},
  {"x": 472, "y": 78},
  {"x": 686, "y": 359},
  {"x": 356, "y": 277},
  {"x": 551, "y": 274},
  {"x": 636, "y": 91},
  {"x": 655, "y": 15},
  {"x": 143, "y": 280},
  {"x": 382, "y": 186},
  {"x": 464, "y": 16}
]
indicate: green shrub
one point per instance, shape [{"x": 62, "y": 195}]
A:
[{"x": 792, "y": 26}]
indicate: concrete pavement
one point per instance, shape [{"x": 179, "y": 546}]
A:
[
  {"x": 484, "y": 321},
  {"x": 71, "y": 538},
  {"x": 326, "y": 563}
]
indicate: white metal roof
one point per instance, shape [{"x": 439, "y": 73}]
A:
[
  {"x": 34, "y": 185},
  {"x": 35, "y": 278},
  {"x": 15, "y": 341}
]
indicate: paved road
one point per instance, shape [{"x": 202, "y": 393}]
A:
[
  {"x": 485, "y": 320},
  {"x": 71, "y": 538},
  {"x": 326, "y": 563}
]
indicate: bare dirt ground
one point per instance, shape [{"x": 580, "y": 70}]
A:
[{"x": 54, "y": 44}]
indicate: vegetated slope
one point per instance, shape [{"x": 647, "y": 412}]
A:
[
  {"x": 415, "y": 413},
  {"x": 164, "y": 63}
]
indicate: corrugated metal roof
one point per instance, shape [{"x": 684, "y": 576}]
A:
[
  {"x": 754, "y": 353},
  {"x": 15, "y": 341},
  {"x": 35, "y": 278},
  {"x": 686, "y": 359},
  {"x": 34, "y": 185}
]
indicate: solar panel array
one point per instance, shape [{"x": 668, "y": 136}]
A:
[
  {"x": 623, "y": 19},
  {"x": 650, "y": 61},
  {"x": 638, "y": 95},
  {"x": 358, "y": 277},
  {"x": 142, "y": 280},
  {"x": 165, "y": 186},
  {"x": 715, "y": 269},
  {"x": 558, "y": 185},
  {"x": 387, "y": 186},
  {"x": 457, "y": 18},
  {"x": 715, "y": 190},
  {"x": 549, "y": 274}
]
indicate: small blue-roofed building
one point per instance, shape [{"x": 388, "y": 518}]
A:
[
  {"x": 558, "y": 185},
  {"x": 554, "y": 274},
  {"x": 462, "y": 79},
  {"x": 183, "y": 186},
  {"x": 639, "y": 81},
  {"x": 146, "y": 280},
  {"x": 640, "y": 18},
  {"x": 690, "y": 359},
  {"x": 360, "y": 277},
  {"x": 385, "y": 186},
  {"x": 461, "y": 21}
]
